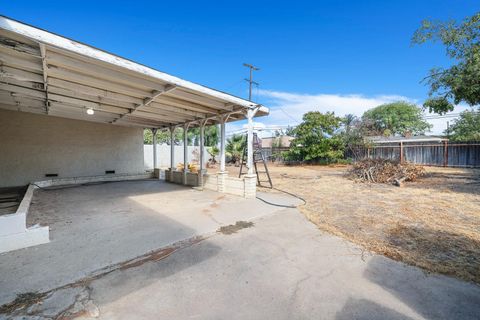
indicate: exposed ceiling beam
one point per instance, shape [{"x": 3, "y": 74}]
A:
[
  {"x": 64, "y": 74},
  {"x": 23, "y": 91},
  {"x": 43, "y": 53},
  {"x": 148, "y": 100},
  {"x": 7, "y": 73},
  {"x": 91, "y": 91},
  {"x": 84, "y": 65},
  {"x": 18, "y": 46},
  {"x": 21, "y": 62}
]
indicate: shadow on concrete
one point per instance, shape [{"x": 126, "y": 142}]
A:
[
  {"x": 92, "y": 227},
  {"x": 432, "y": 296},
  {"x": 362, "y": 309}
]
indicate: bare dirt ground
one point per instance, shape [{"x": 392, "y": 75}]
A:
[{"x": 433, "y": 223}]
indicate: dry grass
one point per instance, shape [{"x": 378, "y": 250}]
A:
[{"x": 433, "y": 223}]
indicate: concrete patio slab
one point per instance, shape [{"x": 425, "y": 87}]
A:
[
  {"x": 95, "y": 226},
  {"x": 281, "y": 268}
]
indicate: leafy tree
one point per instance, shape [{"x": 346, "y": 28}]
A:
[
  {"x": 163, "y": 136},
  {"x": 213, "y": 151},
  {"x": 466, "y": 127},
  {"x": 316, "y": 138},
  {"x": 212, "y": 135},
  {"x": 460, "y": 82},
  {"x": 393, "y": 119},
  {"x": 234, "y": 148}
]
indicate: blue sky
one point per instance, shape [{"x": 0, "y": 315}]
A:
[{"x": 342, "y": 56}]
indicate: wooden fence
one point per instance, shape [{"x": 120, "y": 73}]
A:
[{"x": 465, "y": 154}]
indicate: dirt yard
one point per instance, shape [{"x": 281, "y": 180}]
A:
[{"x": 433, "y": 223}]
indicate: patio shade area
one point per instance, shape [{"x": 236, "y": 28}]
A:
[
  {"x": 43, "y": 73},
  {"x": 99, "y": 225}
]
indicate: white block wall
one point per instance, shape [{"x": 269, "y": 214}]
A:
[{"x": 33, "y": 145}]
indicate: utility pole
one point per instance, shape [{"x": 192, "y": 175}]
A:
[{"x": 250, "y": 80}]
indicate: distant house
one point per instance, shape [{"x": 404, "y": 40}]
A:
[{"x": 276, "y": 142}]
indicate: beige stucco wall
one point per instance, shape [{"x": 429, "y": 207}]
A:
[{"x": 33, "y": 145}]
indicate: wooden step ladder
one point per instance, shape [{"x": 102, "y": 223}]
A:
[{"x": 257, "y": 158}]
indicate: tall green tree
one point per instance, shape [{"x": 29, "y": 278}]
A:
[
  {"x": 466, "y": 127},
  {"x": 460, "y": 82},
  {"x": 396, "y": 118},
  {"x": 163, "y": 136},
  {"x": 317, "y": 138}
]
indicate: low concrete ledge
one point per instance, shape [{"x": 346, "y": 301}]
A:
[
  {"x": 32, "y": 236},
  {"x": 221, "y": 182},
  {"x": 178, "y": 176},
  {"x": 245, "y": 187},
  {"x": 14, "y": 233},
  {"x": 99, "y": 178}
]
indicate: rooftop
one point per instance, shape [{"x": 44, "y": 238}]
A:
[{"x": 44, "y": 73}]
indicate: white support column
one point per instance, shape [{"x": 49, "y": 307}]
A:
[
  {"x": 202, "y": 165},
  {"x": 154, "y": 142},
  {"x": 172, "y": 152},
  {"x": 202, "y": 145},
  {"x": 156, "y": 171},
  {"x": 250, "y": 114},
  {"x": 250, "y": 178},
  {"x": 185, "y": 153},
  {"x": 221, "y": 176},
  {"x": 222, "y": 143}
]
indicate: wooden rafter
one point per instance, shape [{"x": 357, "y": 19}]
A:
[
  {"x": 43, "y": 53},
  {"x": 148, "y": 100}
]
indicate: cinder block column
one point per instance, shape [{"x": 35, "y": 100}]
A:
[
  {"x": 200, "y": 178},
  {"x": 221, "y": 181},
  {"x": 250, "y": 181}
]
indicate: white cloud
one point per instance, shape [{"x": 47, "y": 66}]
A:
[{"x": 288, "y": 108}]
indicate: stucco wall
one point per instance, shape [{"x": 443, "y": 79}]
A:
[{"x": 33, "y": 145}]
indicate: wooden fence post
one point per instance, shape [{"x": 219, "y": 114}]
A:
[
  {"x": 401, "y": 151},
  {"x": 445, "y": 153}
]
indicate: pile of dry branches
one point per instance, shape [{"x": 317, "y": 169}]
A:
[{"x": 385, "y": 171}]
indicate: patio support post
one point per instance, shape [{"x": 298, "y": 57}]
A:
[
  {"x": 185, "y": 153},
  {"x": 202, "y": 142},
  {"x": 222, "y": 143},
  {"x": 172, "y": 152},
  {"x": 156, "y": 172},
  {"x": 221, "y": 176},
  {"x": 250, "y": 178},
  {"x": 250, "y": 114}
]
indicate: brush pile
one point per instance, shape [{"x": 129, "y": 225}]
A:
[{"x": 384, "y": 171}]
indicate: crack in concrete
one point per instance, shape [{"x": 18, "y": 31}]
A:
[{"x": 82, "y": 303}]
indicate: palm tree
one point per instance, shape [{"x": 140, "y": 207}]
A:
[
  {"x": 234, "y": 148},
  {"x": 348, "y": 121}
]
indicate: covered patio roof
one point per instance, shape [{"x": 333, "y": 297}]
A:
[{"x": 44, "y": 73}]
